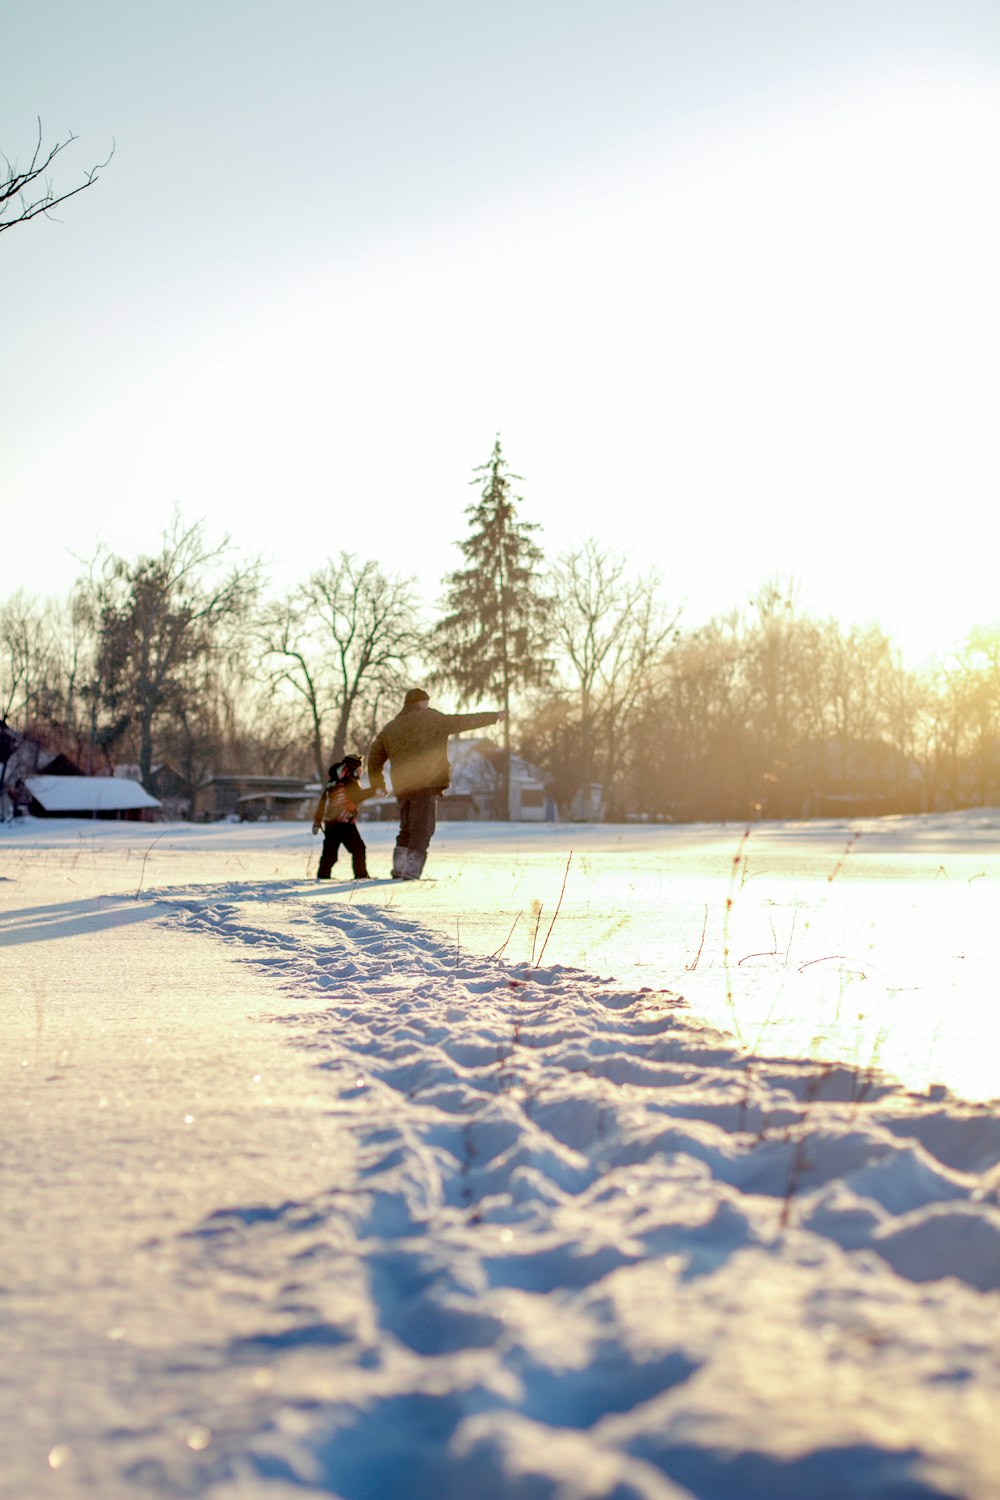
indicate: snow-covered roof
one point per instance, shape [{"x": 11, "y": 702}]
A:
[{"x": 88, "y": 793}]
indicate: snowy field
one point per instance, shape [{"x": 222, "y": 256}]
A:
[{"x": 601, "y": 1164}]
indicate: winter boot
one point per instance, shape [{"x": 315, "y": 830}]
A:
[
  {"x": 415, "y": 859},
  {"x": 399, "y": 860}
]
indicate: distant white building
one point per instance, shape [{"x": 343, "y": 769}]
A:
[{"x": 475, "y": 773}]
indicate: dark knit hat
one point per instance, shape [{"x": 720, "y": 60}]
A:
[
  {"x": 415, "y": 695},
  {"x": 349, "y": 766}
]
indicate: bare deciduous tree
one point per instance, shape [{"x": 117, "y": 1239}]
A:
[
  {"x": 26, "y": 193},
  {"x": 341, "y": 644},
  {"x": 972, "y": 684},
  {"x": 159, "y": 620},
  {"x": 612, "y": 629},
  {"x": 28, "y": 658},
  {"x": 694, "y": 739}
]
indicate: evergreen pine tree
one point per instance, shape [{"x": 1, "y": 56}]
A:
[{"x": 492, "y": 641}]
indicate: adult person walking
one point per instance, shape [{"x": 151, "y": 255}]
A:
[{"x": 415, "y": 743}]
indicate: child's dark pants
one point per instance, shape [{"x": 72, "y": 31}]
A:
[{"x": 346, "y": 835}]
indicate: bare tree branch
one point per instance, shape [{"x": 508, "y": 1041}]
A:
[
  {"x": 342, "y": 642},
  {"x": 17, "y": 206}
]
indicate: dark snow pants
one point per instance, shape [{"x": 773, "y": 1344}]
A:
[
  {"x": 417, "y": 821},
  {"x": 346, "y": 835}
]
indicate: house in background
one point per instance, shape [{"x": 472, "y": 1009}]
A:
[
  {"x": 174, "y": 790},
  {"x": 31, "y": 756},
  {"x": 238, "y": 795},
  {"x": 46, "y": 785},
  {"x": 250, "y": 798},
  {"x": 475, "y": 778},
  {"x": 472, "y": 795},
  {"x": 68, "y": 796},
  {"x": 278, "y": 806}
]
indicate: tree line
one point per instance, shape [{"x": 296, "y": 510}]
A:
[{"x": 187, "y": 657}]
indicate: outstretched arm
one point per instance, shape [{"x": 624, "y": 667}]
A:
[{"x": 457, "y": 722}]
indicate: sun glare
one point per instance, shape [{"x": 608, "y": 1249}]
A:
[{"x": 776, "y": 344}]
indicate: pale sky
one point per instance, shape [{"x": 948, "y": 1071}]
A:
[{"x": 722, "y": 273}]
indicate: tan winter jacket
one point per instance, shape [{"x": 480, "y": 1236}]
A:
[{"x": 415, "y": 743}]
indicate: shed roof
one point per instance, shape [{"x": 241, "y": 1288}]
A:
[{"x": 88, "y": 793}]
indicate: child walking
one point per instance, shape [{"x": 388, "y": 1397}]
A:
[{"x": 336, "y": 813}]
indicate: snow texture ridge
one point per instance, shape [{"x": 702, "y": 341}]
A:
[
  {"x": 595, "y": 1251},
  {"x": 311, "y": 1196}
]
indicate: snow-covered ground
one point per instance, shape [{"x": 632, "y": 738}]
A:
[{"x": 567, "y": 1171}]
